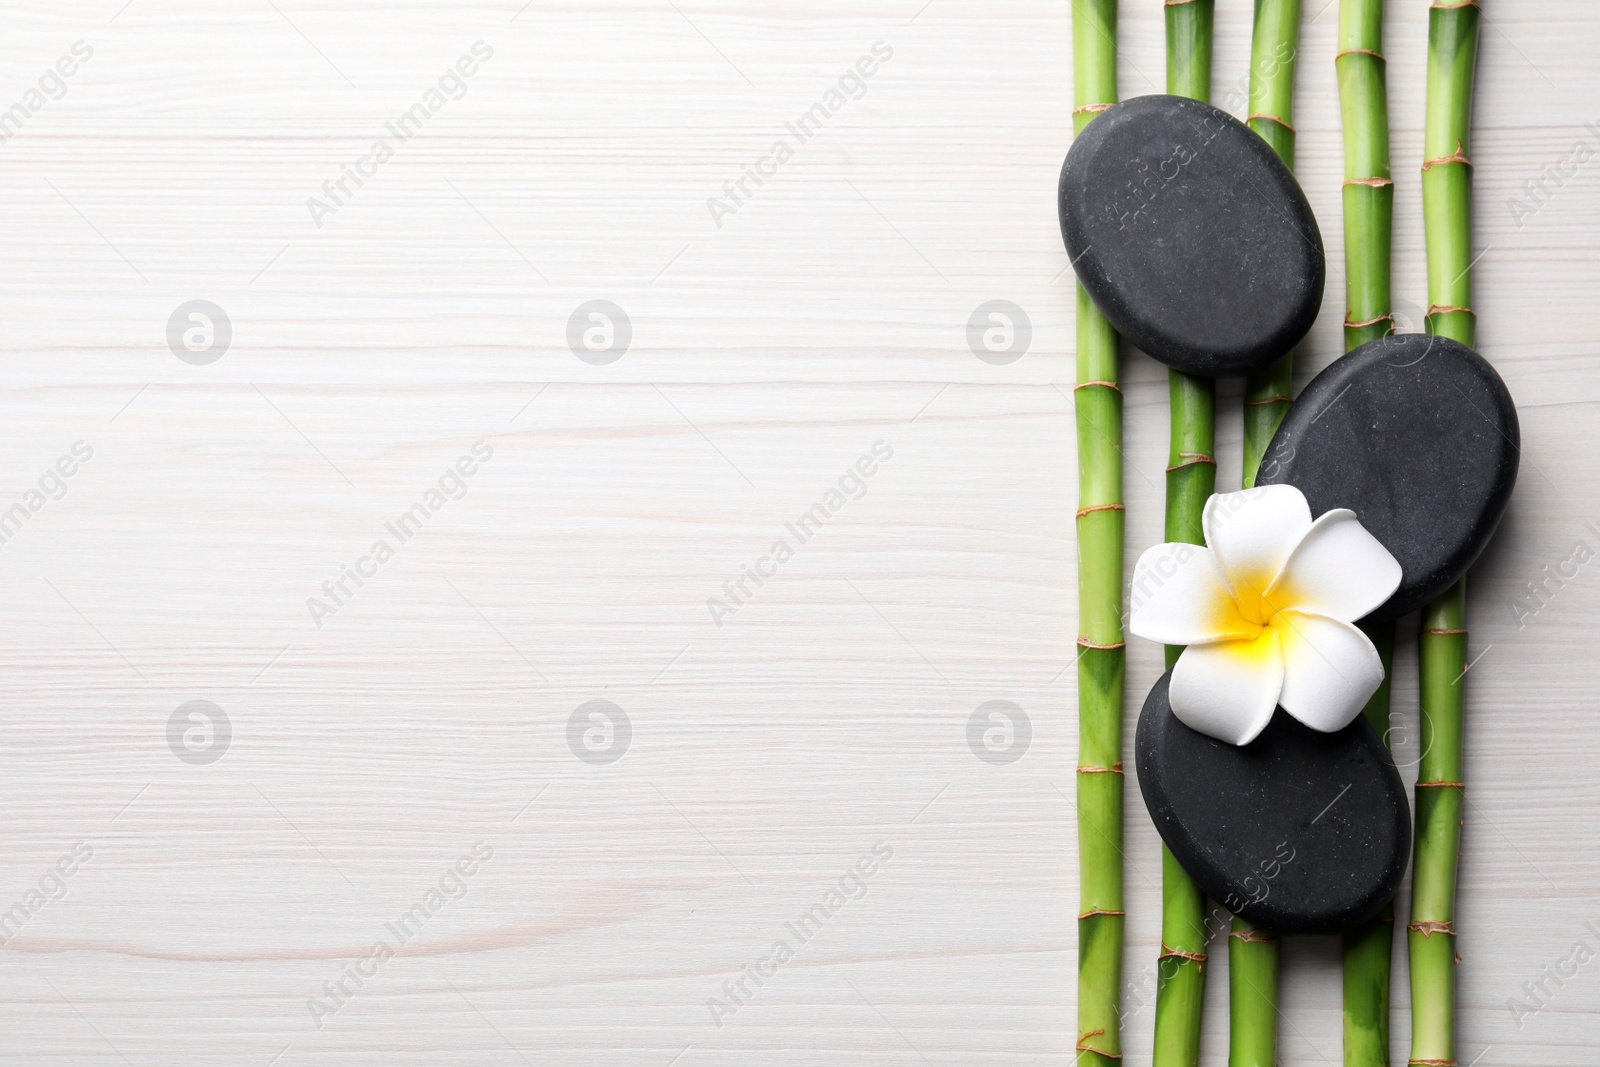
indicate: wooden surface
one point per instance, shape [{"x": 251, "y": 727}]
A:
[{"x": 829, "y": 713}]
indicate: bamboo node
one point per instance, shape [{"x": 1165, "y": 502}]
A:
[
  {"x": 1433, "y": 1063},
  {"x": 1359, "y": 52},
  {"x": 1168, "y": 952},
  {"x": 1374, "y": 182},
  {"x": 1115, "y": 768},
  {"x": 1445, "y": 309},
  {"x": 1108, "y": 385},
  {"x": 1270, "y": 118},
  {"x": 1444, "y": 633},
  {"x": 1349, "y": 325},
  {"x": 1099, "y": 911},
  {"x": 1458, "y": 156},
  {"x": 1084, "y": 1046},
  {"x": 1178, "y": 3},
  {"x": 1441, "y": 785},
  {"x": 1100, "y": 507},
  {"x": 1430, "y": 927},
  {"x": 1451, "y": 7},
  {"x": 1090, "y": 109},
  {"x": 1269, "y": 400},
  {"x": 1253, "y": 936},
  {"x": 1084, "y": 642},
  {"x": 1190, "y": 459}
]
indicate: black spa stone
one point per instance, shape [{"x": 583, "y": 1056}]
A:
[
  {"x": 1191, "y": 236},
  {"x": 1299, "y": 832},
  {"x": 1418, "y": 436}
]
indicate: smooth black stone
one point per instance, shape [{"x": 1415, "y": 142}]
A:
[
  {"x": 1418, "y": 436},
  {"x": 1191, "y": 236},
  {"x": 1299, "y": 832}
]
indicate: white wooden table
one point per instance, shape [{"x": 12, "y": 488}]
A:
[{"x": 372, "y": 744}]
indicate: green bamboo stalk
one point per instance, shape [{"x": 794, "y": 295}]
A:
[
  {"x": 1442, "y": 659},
  {"x": 1369, "y": 950},
  {"x": 1442, "y": 646},
  {"x": 1273, "y": 48},
  {"x": 1253, "y": 952},
  {"x": 1189, "y": 47},
  {"x": 1181, "y": 969},
  {"x": 1368, "y": 226},
  {"x": 1368, "y": 190},
  {"x": 1252, "y": 996},
  {"x": 1098, "y": 406},
  {"x": 1447, "y": 173},
  {"x": 1191, "y": 479}
]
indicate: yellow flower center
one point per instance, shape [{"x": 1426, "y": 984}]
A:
[{"x": 1250, "y": 611}]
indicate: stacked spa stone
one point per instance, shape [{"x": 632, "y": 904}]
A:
[{"x": 1197, "y": 244}]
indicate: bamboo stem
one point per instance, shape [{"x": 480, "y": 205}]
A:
[
  {"x": 1442, "y": 646},
  {"x": 1447, "y": 170},
  {"x": 1252, "y": 996},
  {"x": 1253, "y": 952},
  {"x": 1368, "y": 225},
  {"x": 1369, "y": 950},
  {"x": 1191, "y": 479},
  {"x": 1189, "y": 48},
  {"x": 1273, "y": 49},
  {"x": 1098, "y": 404},
  {"x": 1368, "y": 191},
  {"x": 1181, "y": 968},
  {"x": 1442, "y": 659}
]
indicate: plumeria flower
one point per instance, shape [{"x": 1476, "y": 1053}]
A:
[{"x": 1266, "y": 609}]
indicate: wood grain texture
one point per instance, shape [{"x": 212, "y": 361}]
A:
[{"x": 769, "y": 754}]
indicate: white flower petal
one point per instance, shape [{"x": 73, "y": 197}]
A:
[
  {"x": 1339, "y": 570},
  {"x": 1228, "y": 690},
  {"x": 1179, "y": 597},
  {"x": 1253, "y": 533},
  {"x": 1330, "y": 669}
]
